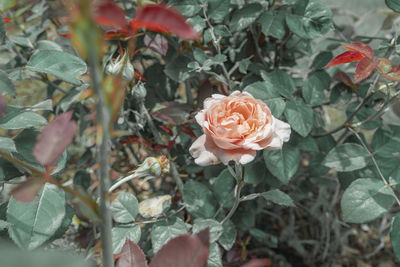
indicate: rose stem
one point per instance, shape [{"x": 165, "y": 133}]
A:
[
  {"x": 103, "y": 173},
  {"x": 238, "y": 189}
]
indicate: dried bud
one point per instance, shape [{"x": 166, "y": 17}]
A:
[
  {"x": 164, "y": 162},
  {"x": 154, "y": 207}
]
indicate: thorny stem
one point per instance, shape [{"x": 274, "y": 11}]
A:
[
  {"x": 217, "y": 48},
  {"x": 238, "y": 188},
  {"x": 103, "y": 119},
  {"x": 375, "y": 164}
]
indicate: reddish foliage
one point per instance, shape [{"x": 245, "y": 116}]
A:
[
  {"x": 361, "y": 48},
  {"x": 109, "y": 14},
  {"x": 344, "y": 78},
  {"x": 5, "y": 20},
  {"x": 346, "y": 57},
  {"x": 166, "y": 129},
  {"x": 185, "y": 250},
  {"x": 364, "y": 69},
  {"x": 258, "y": 263},
  {"x": 161, "y": 18},
  {"x": 157, "y": 43},
  {"x": 27, "y": 191},
  {"x": 3, "y": 106},
  {"x": 139, "y": 76},
  {"x": 187, "y": 130},
  {"x": 131, "y": 255},
  {"x": 53, "y": 140}
]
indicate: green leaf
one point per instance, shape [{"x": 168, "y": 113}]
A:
[
  {"x": 347, "y": 157},
  {"x": 311, "y": 19},
  {"x": 35, "y": 222},
  {"x": 393, "y": 4},
  {"x": 322, "y": 59},
  {"x": 273, "y": 24},
  {"x": 313, "y": 89},
  {"x": 223, "y": 189},
  {"x": 215, "y": 256},
  {"x": 60, "y": 64},
  {"x": 125, "y": 207},
  {"x": 282, "y": 163},
  {"x": 4, "y": 224},
  {"x": 281, "y": 81},
  {"x": 269, "y": 94},
  {"x": 214, "y": 226},
  {"x": 255, "y": 172},
  {"x": 366, "y": 200},
  {"x": 8, "y": 170},
  {"x": 299, "y": 116},
  {"x": 7, "y": 4},
  {"x": 121, "y": 233},
  {"x": 82, "y": 178},
  {"x": 199, "y": 199},
  {"x": 7, "y": 144},
  {"x": 228, "y": 237},
  {"x": 278, "y": 197},
  {"x": 177, "y": 69},
  {"x": 48, "y": 45},
  {"x": 187, "y": 8},
  {"x": 14, "y": 119},
  {"x": 395, "y": 231},
  {"x": 164, "y": 231},
  {"x": 264, "y": 238},
  {"x": 244, "y": 17},
  {"x": 6, "y": 85},
  {"x": 12, "y": 257},
  {"x": 218, "y": 9}
]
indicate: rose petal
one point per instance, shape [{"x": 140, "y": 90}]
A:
[
  {"x": 204, "y": 151},
  {"x": 243, "y": 156}
]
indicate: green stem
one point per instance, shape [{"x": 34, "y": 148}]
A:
[
  {"x": 375, "y": 164},
  {"x": 103, "y": 173},
  {"x": 238, "y": 190}
]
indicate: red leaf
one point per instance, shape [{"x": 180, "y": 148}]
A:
[
  {"x": 258, "y": 263},
  {"x": 393, "y": 76},
  {"x": 344, "y": 78},
  {"x": 364, "y": 69},
  {"x": 362, "y": 48},
  {"x": 53, "y": 140},
  {"x": 161, "y": 18},
  {"x": 346, "y": 57},
  {"x": 157, "y": 43},
  {"x": 139, "y": 76},
  {"x": 131, "y": 256},
  {"x": 66, "y": 35},
  {"x": 117, "y": 34},
  {"x": 167, "y": 130},
  {"x": 5, "y": 20},
  {"x": 132, "y": 139},
  {"x": 384, "y": 66},
  {"x": 27, "y": 191},
  {"x": 174, "y": 113},
  {"x": 109, "y": 14},
  {"x": 183, "y": 251},
  {"x": 3, "y": 106},
  {"x": 187, "y": 130}
]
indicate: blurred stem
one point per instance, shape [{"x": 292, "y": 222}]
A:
[
  {"x": 103, "y": 173},
  {"x": 239, "y": 175},
  {"x": 375, "y": 164},
  {"x": 258, "y": 49},
  {"x": 217, "y": 47}
]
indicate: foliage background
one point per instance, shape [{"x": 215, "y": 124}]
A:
[{"x": 305, "y": 229}]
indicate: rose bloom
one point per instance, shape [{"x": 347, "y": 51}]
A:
[{"x": 235, "y": 127}]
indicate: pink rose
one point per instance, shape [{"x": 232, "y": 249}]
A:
[{"x": 235, "y": 127}]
